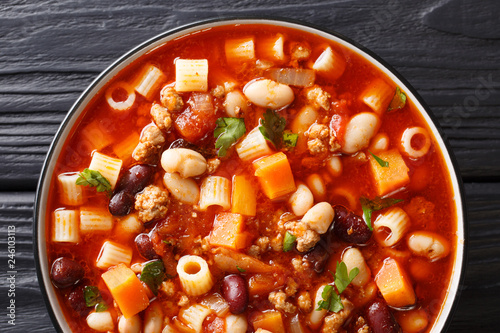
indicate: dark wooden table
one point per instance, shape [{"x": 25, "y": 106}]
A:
[{"x": 449, "y": 50}]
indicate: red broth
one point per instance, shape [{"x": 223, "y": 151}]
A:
[{"x": 188, "y": 230}]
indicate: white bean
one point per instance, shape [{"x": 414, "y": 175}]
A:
[
  {"x": 100, "y": 321},
  {"x": 301, "y": 200},
  {"x": 352, "y": 258},
  {"x": 236, "y": 323},
  {"x": 359, "y": 130},
  {"x": 317, "y": 186},
  {"x": 334, "y": 166},
  {"x": 316, "y": 316},
  {"x": 183, "y": 189},
  {"x": 319, "y": 217},
  {"x": 130, "y": 325},
  {"x": 234, "y": 103},
  {"x": 268, "y": 93},
  {"x": 304, "y": 119},
  {"x": 153, "y": 318},
  {"x": 428, "y": 244},
  {"x": 379, "y": 143},
  {"x": 187, "y": 162}
]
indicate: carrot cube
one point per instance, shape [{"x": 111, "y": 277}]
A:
[
  {"x": 244, "y": 198},
  {"x": 388, "y": 179},
  {"x": 271, "y": 321},
  {"x": 228, "y": 231},
  {"x": 275, "y": 175},
  {"x": 394, "y": 284},
  {"x": 126, "y": 289}
]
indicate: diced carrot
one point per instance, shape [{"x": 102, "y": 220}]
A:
[
  {"x": 228, "y": 231},
  {"x": 263, "y": 284},
  {"x": 275, "y": 175},
  {"x": 388, "y": 179},
  {"x": 244, "y": 198},
  {"x": 269, "y": 320},
  {"x": 126, "y": 289},
  {"x": 394, "y": 284}
]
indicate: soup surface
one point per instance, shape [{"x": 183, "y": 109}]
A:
[{"x": 251, "y": 178}]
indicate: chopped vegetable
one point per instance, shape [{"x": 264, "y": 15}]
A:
[
  {"x": 93, "y": 297},
  {"x": 271, "y": 321},
  {"x": 275, "y": 175},
  {"x": 153, "y": 274},
  {"x": 299, "y": 77},
  {"x": 391, "y": 178},
  {"x": 394, "y": 285},
  {"x": 290, "y": 139},
  {"x": 228, "y": 231},
  {"x": 383, "y": 164},
  {"x": 244, "y": 196},
  {"x": 227, "y": 132},
  {"x": 272, "y": 127},
  {"x": 398, "y": 101},
  {"x": 331, "y": 297},
  {"x": 288, "y": 241},
  {"x": 370, "y": 206},
  {"x": 93, "y": 178},
  {"x": 126, "y": 289}
]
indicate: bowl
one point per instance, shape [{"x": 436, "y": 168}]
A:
[{"x": 75, "y": 114}]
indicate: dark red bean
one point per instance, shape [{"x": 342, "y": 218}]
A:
[
  {"x": 135, "y": 179},
  {"x": 234, "y": 291},
  {"x": 145, "y": 247},
  {"x": 121, "y": 203},
  {"x": 66, "y": 272},
  {"x": 380, "y": 318},
  {"x": 350, "y": 227},
  {"x": 76, "y": 301},
  {"x": 318, "y": 256}
]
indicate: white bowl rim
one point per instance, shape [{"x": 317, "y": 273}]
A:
[{"x": 39, "y": 234}]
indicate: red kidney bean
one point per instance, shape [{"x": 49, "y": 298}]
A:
[
  {"x": 121, "y": 203},
  {"x": 76, "y": 300},
  {"x": 318, "y": 256},
  {"x": 350, "y": 227},
  {"x": 135, "y": 179},
  {"x": 66, "y": 272},
  {"x": 234, "y": 291},
  {"x": 131, "y": 182},
  {"x": 145, "y": 247},
  {"x": 380, "y": 318}
]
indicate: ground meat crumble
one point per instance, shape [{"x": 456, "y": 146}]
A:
[{"x": 151, "y": 204}]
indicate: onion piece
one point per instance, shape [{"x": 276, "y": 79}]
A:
[
  {"x": 292, "y": 76},
  {"x": 217, "y": 303}
]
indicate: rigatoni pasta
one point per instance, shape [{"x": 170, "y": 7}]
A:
[
  {"x": 95, "y": 220},
  {"x": 113, "y": 254},
  {"x": 396, "y": 221},
  {"x": 194, "y": 275},
  {"x": 191, "y": 75},
  {"x": 65, "y": 226},
  {"x": 215, "y": 191},
  {"x": 253, "y": 146},
  {"x": 149, "y": 81},
  {"x": 108, "y": 166},
  {"x": 194, "y": 316},
  {"x": 71, "y": 194}
]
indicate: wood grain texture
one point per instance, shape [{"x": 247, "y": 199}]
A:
[{"x": 50, "y": 51}]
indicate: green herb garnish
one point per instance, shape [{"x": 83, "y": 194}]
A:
[
  {"x": 290, "y": 139},
  {"x": 153, "y": 274},
  {"x": 93, "y": 297},
  {"x": 272, "y": 127},
  {"x": 288, "y": 241},
  {"x": 398, "y": 101},
  {"x": 227, "y": 132},
  {"x": 378, "y": 203},
  {"x": 331, "y": 297},
  {"x": 93, "y": 178},
  {"x": 241, "y": 270},
  {"x": 381, "y": 162}
]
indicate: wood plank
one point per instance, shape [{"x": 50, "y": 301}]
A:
[{"x": 481, "y": 280}]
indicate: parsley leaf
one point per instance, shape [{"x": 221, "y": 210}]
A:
[
  {"x": 290, "y": 139},
  {"x": 93, "y": 178},
  {"x": 331, "y": 297},
  {"x": 153, "y": 274},
  {"x": 378, "y": 203},
  {"x": 342, "y": 278},
  {"x": 398, "y": 101},
  {"x": 272, "y": 127},
  {"x": 240, "y": 269},
  {"x": 288, "y": 241},
  {"x": 383, "y": 164},
  {"x": 93, "y": 297},
  {"x": 227, "y": 132}
]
